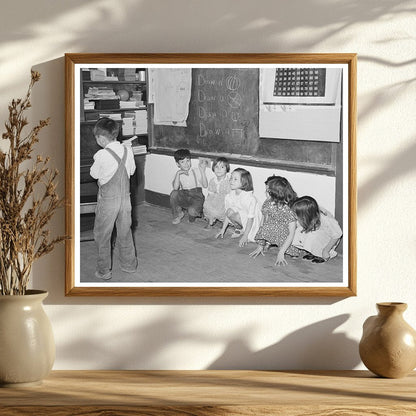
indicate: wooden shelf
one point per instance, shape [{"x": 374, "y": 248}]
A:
[
  {"x": 111, "y": 110},
  {"x": 203, "y": 393},
  {"x": 87, "y": 82}
]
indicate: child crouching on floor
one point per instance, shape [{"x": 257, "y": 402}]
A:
[
  {"x": 187, "y": 188},
  {"x": 218, "y": 188},
  {"x": 241, "y": 208},
  {"x": 318, "y": 232},
  {"x": 278, "y": 222}
]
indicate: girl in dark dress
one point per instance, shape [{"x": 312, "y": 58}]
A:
[{"x": 279, "y": 222}]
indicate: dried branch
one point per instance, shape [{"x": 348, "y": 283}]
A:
[{"x": 23, "y": 218}]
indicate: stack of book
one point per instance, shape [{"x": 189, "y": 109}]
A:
[
  {"x": 127, "y": 104},
  {"x": 88, "y": 105},
  {"x": 104, "y": 98},
  {"x": 101, "y": 93},
  {"x": 139, "y": 149},
  {"x": 113, "y": 116},
  {"x": 98, "y": 74},
  {"x": 132, "y": 104}
]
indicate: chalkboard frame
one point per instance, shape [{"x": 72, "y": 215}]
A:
[{"x": 349, "y": 285}]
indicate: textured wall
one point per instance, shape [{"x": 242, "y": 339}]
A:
[{"x": 197, "y": 333}]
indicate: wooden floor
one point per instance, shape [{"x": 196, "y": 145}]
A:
[{"x": 189, "y": 252}]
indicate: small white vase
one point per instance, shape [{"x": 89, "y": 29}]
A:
[{"x": 27, "y": 346}]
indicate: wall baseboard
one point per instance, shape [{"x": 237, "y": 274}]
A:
[{"x": 156, "y": 198}]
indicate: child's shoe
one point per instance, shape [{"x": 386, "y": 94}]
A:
[
  {"x": 127, "y": 270},
  {"x": 105, "y": 276},
  {"x": 178, "y": 219},
  {"x": 210, "y": 224},
  {"x": 318, "y": 260},
  {"x": 237, "y": 233}
]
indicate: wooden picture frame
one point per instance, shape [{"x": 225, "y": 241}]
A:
[{"x": 316, "y": 164}]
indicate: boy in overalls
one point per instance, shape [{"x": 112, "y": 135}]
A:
[
  {"x": 113, "y": 165},
  {"x": 187, "y": 187}
]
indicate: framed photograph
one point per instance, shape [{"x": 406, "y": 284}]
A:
[{"x": 211, "y": 174}]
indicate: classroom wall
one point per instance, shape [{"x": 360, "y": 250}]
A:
[{"x": 201, "y": 333}]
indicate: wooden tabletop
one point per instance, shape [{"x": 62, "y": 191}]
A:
[{"x": 203, "y": 393}]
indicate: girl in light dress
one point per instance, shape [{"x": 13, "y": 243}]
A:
[
  {"x": 278, "y": 221},
  {"x": 241, "y": 208},
  {"x": 318, "y": 232},
  {"x": 218, "y": 188}
]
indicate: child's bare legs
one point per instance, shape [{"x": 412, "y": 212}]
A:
[
  {"x": 235, "y": 219},
  {"x": 231, "y": 217},
  {"x": 225, "y": 225},
  {"x": 210, "y": 222},
  {"x": 210, "y": 219}
]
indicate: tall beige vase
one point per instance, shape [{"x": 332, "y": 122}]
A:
[
  {"x": 388, "y": 345},
  {"x": 27, "y": 346}
]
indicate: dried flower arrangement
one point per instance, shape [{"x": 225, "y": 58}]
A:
[{"x": 28, "y": 199}]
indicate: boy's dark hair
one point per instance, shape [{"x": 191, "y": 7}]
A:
[
  {"x": 246, "y": 179},
  {"x": 221, "y": 160},
  {"x": 307, "y": 211},
  {"x": 181, "y": 154},
  {"x": 106, "y": 127},
  {"x": 281, "y": 191}
]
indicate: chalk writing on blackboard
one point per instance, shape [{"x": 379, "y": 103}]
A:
[{"x": 219, "y": 100}]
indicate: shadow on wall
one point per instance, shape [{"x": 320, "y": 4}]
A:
[
  {"x": 314, "y": 347},
  {"x": 28, "y": 34},
  {"x": 403, "y": 163},
  {"x": 143, "y": 347},
  {"x": 391, "y": 170},
  {"x": 153, "y": 345}
]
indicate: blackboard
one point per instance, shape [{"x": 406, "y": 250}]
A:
[{"x": 224, "y": 120}]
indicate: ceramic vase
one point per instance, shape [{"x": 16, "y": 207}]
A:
[
  {"x": 27, "y": 346},
  {"x": 388, "y": 345}
]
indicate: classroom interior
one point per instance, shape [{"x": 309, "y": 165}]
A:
[{"x": 232, "y": 112}]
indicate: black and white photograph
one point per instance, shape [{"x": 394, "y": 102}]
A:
[{"x": 211, "y": 175}]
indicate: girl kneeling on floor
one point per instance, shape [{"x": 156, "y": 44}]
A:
[
  {"x": 241, "y": 208},
  {"x": 318, "y": 232},
  {"x": 279, "y": 222}
]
